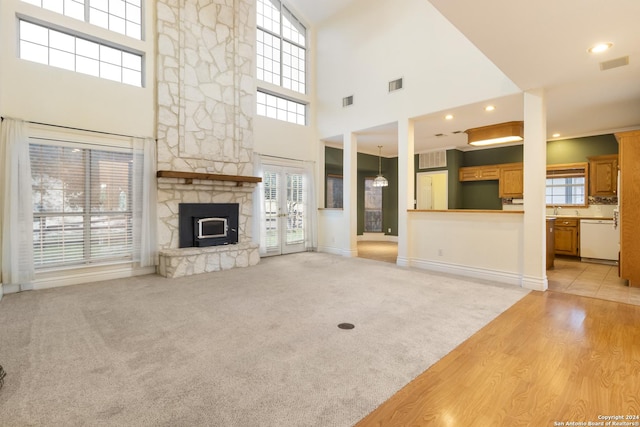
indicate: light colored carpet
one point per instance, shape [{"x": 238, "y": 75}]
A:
[{"x": 257, "y": 346}]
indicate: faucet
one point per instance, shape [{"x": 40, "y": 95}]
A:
[
  {"x": 556, "y": 209},
  {"x": 577, "y": 212}
]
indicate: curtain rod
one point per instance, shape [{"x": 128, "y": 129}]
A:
[{"x": 82, "y": 130}]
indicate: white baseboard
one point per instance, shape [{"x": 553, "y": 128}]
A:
[
  {"x": 330, "y": 250},
  {"x": 535, "y": 283},
  {"x": 464, "y": 270},
  {"x": 84, "y": 275},
  {"x": 403, "y": 262}
]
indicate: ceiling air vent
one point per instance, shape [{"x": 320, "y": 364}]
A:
[
  {"x": 432, "y": 159},
  {"x": 614, "y": 63},
  {"x": 347, "y": 100},
  {"x": 395, "y": 85}
]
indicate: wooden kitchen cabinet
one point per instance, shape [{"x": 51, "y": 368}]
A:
[
  {"x": 629, "y": 199},
  {"x": 511, "y": 182},
  {"x": 479, "y": 173},
  {"x": 567, "y": 233},
  {"x": 603, "y": 175},
  {"x": 551, "y": 241}
]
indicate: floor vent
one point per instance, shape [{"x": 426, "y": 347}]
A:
[
  {"x": 614, "y": 63},
  {"x": 347, "y": 100},
  {"x": 433, "y": 159},
  {"x": 395, "y": 85}
]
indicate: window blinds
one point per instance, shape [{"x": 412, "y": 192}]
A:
[{"x": 82, "y": 210}]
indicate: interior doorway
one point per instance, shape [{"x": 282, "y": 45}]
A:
[
  {"x": 372, "y": 207},
  {"x": 433, "y": 190},
  {"x": 284, "y": 225}
]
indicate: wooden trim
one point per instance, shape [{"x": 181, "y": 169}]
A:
[{"x": 190, "y": 176}]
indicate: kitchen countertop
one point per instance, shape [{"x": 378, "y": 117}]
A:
[{"x": 578, "y": 217}]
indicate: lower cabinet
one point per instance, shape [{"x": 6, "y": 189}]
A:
[{"x": 567, "y": 240}]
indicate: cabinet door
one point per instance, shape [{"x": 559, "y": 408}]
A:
[
  {"x": 479, "y": 173},
  {"x": 566, "y": 240},
  {"x": 511, "y": 181},
  {"x": 491, "y": 172},
  {"x": 603, "y": 175},
  {"x": 469, "y": 174}
]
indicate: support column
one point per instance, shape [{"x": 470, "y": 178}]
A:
[
  {"x": 350, "y": 193},
  {"x": 406, "y": 186},
  {"x": 535, "y": 173}
]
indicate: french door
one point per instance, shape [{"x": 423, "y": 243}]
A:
[{"x": 284, "y": 207}]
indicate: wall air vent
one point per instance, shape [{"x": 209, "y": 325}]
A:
[
  {"x": 432, "y": 159},
  {"x": 347, "y": 100},
  {"x": 395, "y": 85},
  {"x": 614, "y": 63}
]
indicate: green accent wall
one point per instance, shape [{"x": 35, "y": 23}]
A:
[
  {"x": 463, "y": 195},
  {"x": 367, "y": 168},
  {"x": 578, "y": 149},
  {"x": 493, "y": 156}
]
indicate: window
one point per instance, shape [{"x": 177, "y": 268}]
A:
[
  {"x": 334, "y": 191},
  {"x": 567, "y": 185},
  {"x": 82, "y": 205},
  {"x": 372, "y": 207},
  {"x": 281, "y": 46},
  {"x": 62, "y": 50},
  {"x": 120, "y": 16},
  {"x": 280, "y": 108}
]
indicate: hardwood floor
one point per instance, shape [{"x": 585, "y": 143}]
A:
[{"x": 551, "y": 358}]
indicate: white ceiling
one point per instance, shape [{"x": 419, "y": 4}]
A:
[{"x": 537, "y": 44}]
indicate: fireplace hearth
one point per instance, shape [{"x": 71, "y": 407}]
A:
[{"x": 208, "y": 224}]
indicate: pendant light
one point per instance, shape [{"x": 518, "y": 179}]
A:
[{"x": 380, "y": 180}]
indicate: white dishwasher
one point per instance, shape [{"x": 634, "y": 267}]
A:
[{"x": 599, "y": 240}]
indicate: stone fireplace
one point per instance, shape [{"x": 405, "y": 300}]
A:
[{"x": 206, "y": 100}]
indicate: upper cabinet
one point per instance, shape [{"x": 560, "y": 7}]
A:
[
  {"x": 511, "y": 180},
  {"x": 603, "y": 175},
  {"x": 479, "y": 173},
  {"x": 508, "y": 175}
]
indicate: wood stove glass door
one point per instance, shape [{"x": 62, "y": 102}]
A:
[{"x": 284, "y": 204}]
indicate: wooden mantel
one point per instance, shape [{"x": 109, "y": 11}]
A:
[{"x": 190, "y": 176}]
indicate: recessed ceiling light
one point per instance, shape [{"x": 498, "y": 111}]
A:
[
  {"x": 600, "y": 47},
  {"x": 449, "y": 117},
  {"x": 555, "y": 135},
  {"x": 489, "y": 108}
]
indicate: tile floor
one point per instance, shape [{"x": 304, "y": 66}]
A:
[
  {"x": 569, "y": 275},
  {"x": 601, "y": 281}
]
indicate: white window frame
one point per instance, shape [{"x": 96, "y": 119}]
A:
[
  {"x": 111, "y": 60},
  {"x": 281, "y": 108},
  {"x": 560, "y": 177},
  {"x": 83, "y": 10},
  {"x": 286, "y": 51},
  {"x": 76, "y": 139}
]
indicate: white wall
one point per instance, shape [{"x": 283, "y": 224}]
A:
[
  {"x": 277, "y": 138},
  {"x": 481, "y": 245},
  {"x": 40, "y": 93},
  {"x": 375, "y": 41}
]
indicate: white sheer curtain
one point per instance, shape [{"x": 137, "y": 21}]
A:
[
  {"x": 17, "y": 206},
  {"x": 259, "y": 217},
  {"x": 145, "y": 201},
  {"x": 311, "y": 209}
]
